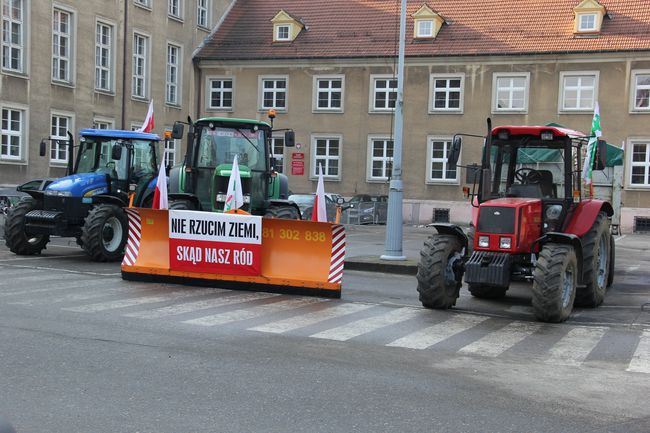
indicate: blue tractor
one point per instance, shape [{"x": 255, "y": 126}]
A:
[{"x": 113, "y": 168}]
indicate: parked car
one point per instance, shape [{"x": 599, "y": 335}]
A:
[
  {"x": 366, "y": 209},
  {"x": 305, "y": 203}
]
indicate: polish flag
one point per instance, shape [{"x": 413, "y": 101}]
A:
[
  {"x": 147, "y": 125},
  {"x": 319, "y": 213},
  {"x": 160, "y": 195}
]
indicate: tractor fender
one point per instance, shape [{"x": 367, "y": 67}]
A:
[
  {"x": 566, "y": 239},
  {"x": 453, "y": 230},
  {"x": 278, "y": 202},
  {"x": 109, "y": 199},
  {"x": 585, "y": 214},
  {"x": 185, "y": 196},
  {"x": 175, "y": 180}
]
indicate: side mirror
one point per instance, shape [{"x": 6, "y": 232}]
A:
[
  {"x": 600, "y": 159},
  {"x": 472, "y": 173},
  {"x": 42, "y": 148},
  {"x": 289, "y": 138},
  {"x": 454, "y": 152},
  {"x": 177, "y": 131},
  {"x": 116, "y": 151}
]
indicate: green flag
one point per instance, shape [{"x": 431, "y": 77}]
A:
[{"x": 596, "y": 133}]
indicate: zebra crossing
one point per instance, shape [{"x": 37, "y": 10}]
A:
[{"x": 394, "y": 326}]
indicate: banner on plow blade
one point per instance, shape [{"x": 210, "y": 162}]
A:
[{"x": 215, "y": 243}]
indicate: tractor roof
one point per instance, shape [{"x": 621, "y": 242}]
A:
[
  {"x": 537, "y": 130},
  {"x": 227, "y": 120},
  {"x": 118, "y": 133}
]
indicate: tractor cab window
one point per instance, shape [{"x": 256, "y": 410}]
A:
[
  {"x": 220, "y": 145},
  {"x": 95, "y": 157},
  {"x": 144, "y": 159}
]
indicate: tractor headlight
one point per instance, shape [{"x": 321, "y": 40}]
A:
[
  {"x": 505, "y": 243},
  {"x": 221, "y": 198},
  {"x": 55, "y": 193},
  {"x": 247, "y": 198},
  {"x": 483, "y": 241}
]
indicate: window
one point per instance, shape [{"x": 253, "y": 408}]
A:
[
  {"x": 424, "y": 28},
  {"x": 102, "y": 123},
  {"x": 143, "y": 3},
  {"x": 13, "y": 35},
  {"x": 220, "y": 92},
  {"x": 384, "y": 93},
  {"x": 640, "y": 100},
  {"x": 274, "y": 93},
  {"x": 277, "y": 144},
  {"x": 283, "y": 32},
  {"x": 139, "y": 83},
  {"x": 59, "y": 127},
  {"x": 326, "y": 151},
  {"x": 380, "y": 158},
  {"x": 202, "y": 9},
  {"x": 437, "y": 168},
  {"x": 169, "y": 157},
  {"x": 587, "y": 22},
  {"x": 640, "y": 166},
  {"x": 175, "y": 9},
  {"x": 578, "y": 91},
  {"x": 328, "y": 93},
  {"x": 13, "y": 134},
  {"x": 510, "y": 92},
  {"x": 104, "y": 57},
  {"x": 61, "y": 45},
  {"x": 446, "y": 93},
  {"x": 173, "y": 74}
]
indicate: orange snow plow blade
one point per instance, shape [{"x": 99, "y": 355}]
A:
[{"x": 235, "y": 251}]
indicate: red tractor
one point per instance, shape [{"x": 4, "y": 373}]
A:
[{"x": 530, "y": 222}]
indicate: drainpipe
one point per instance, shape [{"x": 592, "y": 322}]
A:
[
  {"x": 197, "y": 86},
  {"x": 124, "y": 50}
]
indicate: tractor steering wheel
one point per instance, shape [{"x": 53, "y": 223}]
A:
[{"x": 528, "y": 175}]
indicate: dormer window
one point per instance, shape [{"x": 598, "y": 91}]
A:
[
  {"x": 283, "y": 32},
  {"x": 587, "y": 22},
  {"x": 285, "y": 27},
  {"x": 426, "y": 23},
  {"x": 424, "y": 29},
  {"x": 589, "y": 16}
]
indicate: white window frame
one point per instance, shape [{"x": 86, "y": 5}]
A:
[
  {"x": 385, "y": 160},
  {"x": 260, "y": 85},
  {"x": 630, "y": 145},
  {"x": 103, "y": 121},
  {"x": 316, "y": 91},
  {"x": 495, "y": 92},
  {"x": 68, "y": 57},
  {"x": 278, "y": 28},
  {"x": 635, "y": 88},
  {"x": 579, "y": 89},
  {"x": 135, "y": 58},
  {"x": 171, "y": 69},
  {"x": 444, "y": 160},
  {"x": 146, "y": 4},
  {"x": 373, "y": 93},
  {"x": 23, "y": 134},
  {"x": 447, "y": 90},
  {"x": 99, "y": 46},
  {"x": 584, "y": 15},
  {"x": 328, "y": 159},
  {"x": 279, "y": 157},
  {"x": 175, "y": 9},
  {"x": 209, "y": 92},
  {"x": 9, "y": 46},
  {"x": 203, "y": 14},
  {"x": 55, "y": 145},
  {"x": 419, "y": 24}
]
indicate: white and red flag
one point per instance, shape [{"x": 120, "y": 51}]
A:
[
  {"x": 160, "y": 194},
  {"x": 319, "y": 213},
  {"x": 234, "y": 195},
  {"x": 147, "y": 125}
]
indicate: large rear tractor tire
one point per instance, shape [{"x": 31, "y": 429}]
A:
[
  {"x": 487, "y": 292},
  {"x": 596, "y": 245},
  {"x": 17, "y": 240},
  {"x": 181, "y": 205},
  {"x": 104, "y": 233},
  {"x": 554, "y": 283},
  {"x": 285, "y": 212},
  {"x": 439, "y": 280}
]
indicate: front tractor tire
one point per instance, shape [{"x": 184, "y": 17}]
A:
[
  {"x": 284, "y": 212},
  {"x": 596, "y": 247},
  {"x": 554, "y": 283},
  {"x": 104, "y": 233},
  {"x": 17, "y": 240},
  {"x": 439, "y": 276}
]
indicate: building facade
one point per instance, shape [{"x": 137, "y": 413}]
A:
[
  {"x": 329, "y": 72},
  {"x": 73, "y": 64}
]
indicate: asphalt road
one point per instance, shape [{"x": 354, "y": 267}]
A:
[{"x": 84, "y": 351}]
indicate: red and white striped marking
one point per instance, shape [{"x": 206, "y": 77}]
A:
[
  {"x": 338, "y": 254},
  {"x": 133, "y": 242}
]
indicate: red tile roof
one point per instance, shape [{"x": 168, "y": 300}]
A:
[{"x": 369, "y": 28}]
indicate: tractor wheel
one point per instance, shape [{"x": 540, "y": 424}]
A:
[
  {"x": 438, "y": 282},
  {"x": 612, "y": 261},
  {"x": 596, "y": 245},
  {"x": 487, "y": 292},
  {"x": 104, "y": 233},
  {"x": 470, "y": 239},
  {"x": 181, "y": 205},
  {"x": 16, "y": 239},
  {"x": 554, "y": 283},
  {"x": 285, "y": 212}
]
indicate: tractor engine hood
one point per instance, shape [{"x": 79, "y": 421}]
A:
[
  {"x": 226, "y": 169},
  {"x": 77, "y": 185},
  {"x": 508, "y": 224}
]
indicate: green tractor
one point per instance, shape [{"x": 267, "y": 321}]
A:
[{"x": 201, "y": 182}]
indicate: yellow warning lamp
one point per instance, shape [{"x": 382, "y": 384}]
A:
[{"x": 271, "y": 113}]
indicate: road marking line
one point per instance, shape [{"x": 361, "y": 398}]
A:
[
  {"x": 434, "y": 334},
  {"x": 633, "y": 268},
  {"x": 57, "y": 287},
  {"x": 70, "y": 271},
  {"x": 74, "y": 297},
  {"x": 497, "y": 342},
  {"x": 575, "y": 346},
  {"x": 18, "y": 259},
  {"x": 131, "y": 302},
  {"x": 190, "y": 307},
  {"x": 251, "y": 313},
  {"x": 310, "y": 318},
  {"x": 14, "y": 281},
  {"x": 640, "y": 362}
]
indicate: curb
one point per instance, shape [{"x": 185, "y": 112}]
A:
[{"x": 375, "y": 264}]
